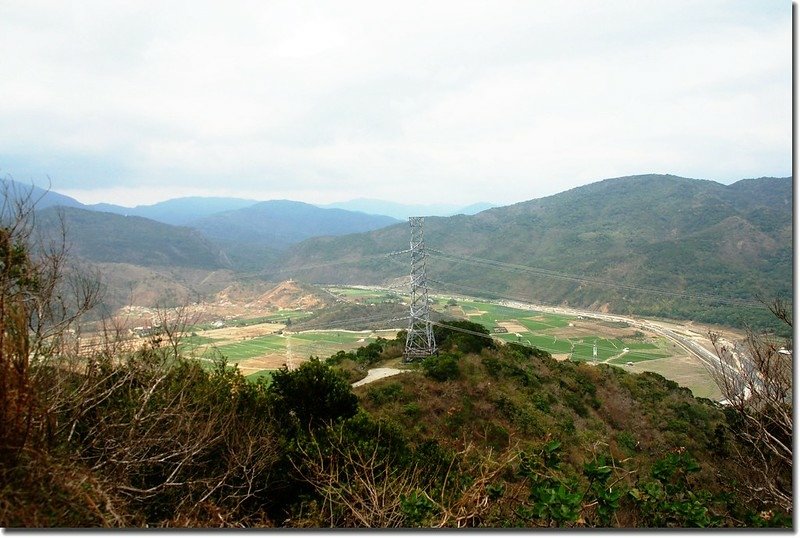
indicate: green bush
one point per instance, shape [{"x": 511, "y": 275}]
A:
[
  {"x": 386, "y": 393},
  {"x": 627, "y": 442},
  {"x": 449, "y": 339},
  {"x": 669, "y": 500},
  {"x": 311, "y": 395},
  {"x": 417, "y": 508},
  {"x": 412, "y": 410},
  {"x": 441, "y": 367}
]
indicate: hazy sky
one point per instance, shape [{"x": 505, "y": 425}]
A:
[{"x": 413, "y": 101}]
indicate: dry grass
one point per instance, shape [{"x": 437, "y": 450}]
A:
[
  {"x": 687, "y": 371},
  {"x": 267, "y": 362},
  {"x": 513, "y": 326}
]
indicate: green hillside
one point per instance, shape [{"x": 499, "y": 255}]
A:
[
  {"x": 106, "y": 237},
  {"x": 650, "y": 244},
  {"x": 484, "y": 435}
]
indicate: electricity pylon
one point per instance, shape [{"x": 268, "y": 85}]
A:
[{"x": 419, "y": 341}]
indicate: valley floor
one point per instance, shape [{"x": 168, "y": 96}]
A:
[{"x": 263, "y": 339}]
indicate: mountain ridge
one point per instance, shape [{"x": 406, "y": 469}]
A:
[
  {"x": 647, "y": 230},
  {"x": 280, "y": 223},
  {"x": 403, "y": 211},
  {"x": 178, "y": 211}
]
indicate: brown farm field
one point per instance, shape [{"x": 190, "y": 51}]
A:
[{"x": 230, "y": 335}]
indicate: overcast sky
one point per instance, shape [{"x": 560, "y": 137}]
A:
[{"x": 412, "y": 101}]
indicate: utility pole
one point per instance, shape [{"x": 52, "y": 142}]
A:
[{"x": 419, "y": 341}]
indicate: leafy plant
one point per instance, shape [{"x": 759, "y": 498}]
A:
[
  {"x": 441, "y": 367},
  {"x": 606, "y": 497},
  {"x": 417, "y": 508},
  {"x": 311, "y": 395},
  {"x": 669, "y": 501}
]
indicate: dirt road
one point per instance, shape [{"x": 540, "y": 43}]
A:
[{"x": 376, "y": 374}]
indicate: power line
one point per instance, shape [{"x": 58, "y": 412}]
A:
[
  {"x": 332, "y": 325},
  {"x": 301, "y": 268},
  {"x": 512, "y": 298},
  {"x": 585, "y": 280}
]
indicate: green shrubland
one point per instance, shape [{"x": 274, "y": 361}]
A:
[{"x": 512, "y": 439}]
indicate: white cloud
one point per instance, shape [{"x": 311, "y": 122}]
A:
[{"x": 499, "y": 101}]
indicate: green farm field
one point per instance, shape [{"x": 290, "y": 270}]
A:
[
  {"x": 551, "y": 332},
  {"x": 364, "y": 294},
  {"x": 262, "y": 349},
  {"x": 271, "y": 351}
]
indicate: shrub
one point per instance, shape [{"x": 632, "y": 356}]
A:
[
  {"x": 311, "y": 395},
  {"x": 412, "y": 410},
  {"x": 441, "y": 367},
  {"x": 627, "y": 442},
  {"x": 386, "y": 393},
  {"x": 449, "y": 339}
]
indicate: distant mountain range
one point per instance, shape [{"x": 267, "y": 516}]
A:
[
  {"x": 178, "y": 211},
  {"x": 190, "y": 209},
  {"x": 606, "y": 245},
  {"x": 403, "y": 211},
  {"x": 649, "y": 244},
  {"x": 280, "y": 223},
  {"x": 234, "y": 232}
]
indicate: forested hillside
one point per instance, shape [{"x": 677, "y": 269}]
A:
[
  {"x": 105, "y": 237},
  {"x": 616, "y": 244}
]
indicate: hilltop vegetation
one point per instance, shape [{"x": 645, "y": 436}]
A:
[{"x": 484, "y": 435}]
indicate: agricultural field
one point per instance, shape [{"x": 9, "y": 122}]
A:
[
  {"x": 366, "y": 295},
  {"x": 261, "y": 348},
  {"x": 266, "y": 343},
  {"x": 574, "y": 337},
  {"x": 565, "y": 337}
]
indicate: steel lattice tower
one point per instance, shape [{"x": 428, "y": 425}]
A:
[{"x": 419, "y": 341}]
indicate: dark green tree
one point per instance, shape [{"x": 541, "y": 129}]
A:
[
  {"x": 312, "y": 395},
  {"x": 441, "y": 367},
  {"x": 463, "y": 335}
]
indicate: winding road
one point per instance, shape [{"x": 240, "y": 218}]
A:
[{"x": 708, "y": 358}]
